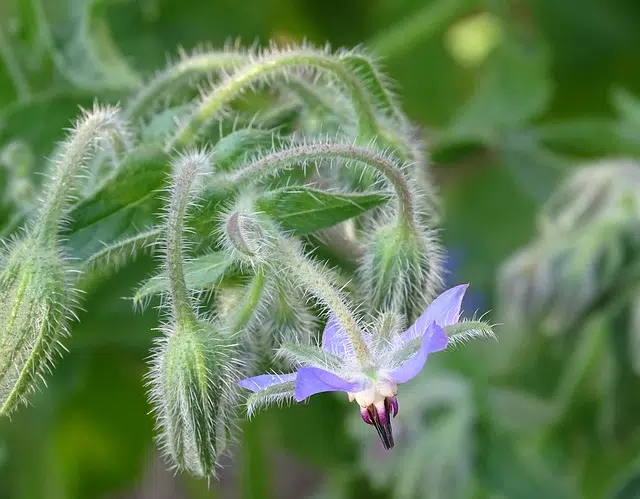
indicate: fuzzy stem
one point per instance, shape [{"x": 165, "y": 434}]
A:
[
  {"x": 213, "y": 103},
  {"x": 316, "y": 282},
  {"x": 277, "y": 161},
  {"x": 187, "y": 169},
  {"x": 97, "y": 125},
  {"x": 175, "y": 75}
]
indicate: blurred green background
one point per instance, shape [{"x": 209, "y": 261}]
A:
[{"x": 511, "y": 95}]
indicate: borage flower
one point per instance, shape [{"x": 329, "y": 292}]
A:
[{"x": 394, "y": 357}]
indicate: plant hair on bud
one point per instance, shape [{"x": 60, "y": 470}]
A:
[
  {"x": 195, "y": 366},
  {"x": 36, "y": 302},
  {"x": 241, "y": 234}
]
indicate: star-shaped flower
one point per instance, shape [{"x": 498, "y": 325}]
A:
[{"x": 394, "y": 357}]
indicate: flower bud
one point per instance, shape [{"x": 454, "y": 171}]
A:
[
  {"x": 244, "y": 234},
  {"x": 400, "y": 270},
  {"x": 34, "y": 300},
  {"x": 607, "y": 190},
  {"x": 194, "y": 391}
]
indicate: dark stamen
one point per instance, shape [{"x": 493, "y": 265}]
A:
[{"x": 382, "y": 425}]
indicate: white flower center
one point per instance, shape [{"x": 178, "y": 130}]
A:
[{"x": 375, "y": 393}]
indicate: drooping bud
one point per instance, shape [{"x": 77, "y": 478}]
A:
[
  {"x": 584, "y": 249},
  {"x": 244, "y": 235},
  {"x": 607, "y": 190},
  {"x": 193, "y": 381},
  {"x": 241, "y": 233},
  {"x": 35, "y": 296},
  {"x": 34, "y": 306},
  {"x": 401, "y": 269},
  {"x": 194, "y": 368}
]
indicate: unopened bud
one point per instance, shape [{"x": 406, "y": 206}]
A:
[
  {"x": 597, "y": 192},
  {"x": 34, "y": 300},
  {"x": 401, "y": 269},
  {"x": 194, "y": 394},
  {"x": 245, "y": 234}
]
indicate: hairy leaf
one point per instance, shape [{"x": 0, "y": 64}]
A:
[
  {"x": 304, "y": 209},
  {"x": 202, "y": 272}
]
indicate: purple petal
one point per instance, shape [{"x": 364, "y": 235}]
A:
[
  {"x": 312, "y": 380},
  {"x": 263, "y": 381},
  {"x": 335, "y": 339},
  {"x": 434, "y": 340},
  {"x": 444, "y": 311}
]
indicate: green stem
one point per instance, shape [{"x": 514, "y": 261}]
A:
[
  {"x": 177, "y": 74},
  {"x": 186, "y": 173},
  {"x": 430, "y": 21},
  {"x": 99, "y": 124},
  {"x": 212, "y": 104},
  {"x": 316, "y": 282}
]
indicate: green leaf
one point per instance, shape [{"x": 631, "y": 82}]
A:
[
  {"x": 535, "y": 168},
  {"x": 627, "y": 483},
  {"x": 41, "y": 120},
  {"x": 163, "y": 123},
  {"x": 304, "y": 210},
  {"x": 128, "y": 201},
  {"x": 630, "y": 490},
  {"x": 437, "y": 462},
  {"x": 202, "y": 272},
  {"x": 136, "y": 180},
  {"x": 232, "y": 149},
  {"x": 628, "y": 107}
]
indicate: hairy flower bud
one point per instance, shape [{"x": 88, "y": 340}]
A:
[
  {"x": 602, "y": 191},
  {"x": 193, "y": 381},
  {"x": 34, "y": 300},
  {"x": 244, "y": 235},
  {"x": 588, "y": 236},
  {"x": 401, "y": 269}
]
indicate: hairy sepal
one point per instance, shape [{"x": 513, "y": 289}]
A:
[
  {"x": 401, "y": 269},
  {"x": 193, "y": 391},
  {"x": 35, "y": 303}
]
